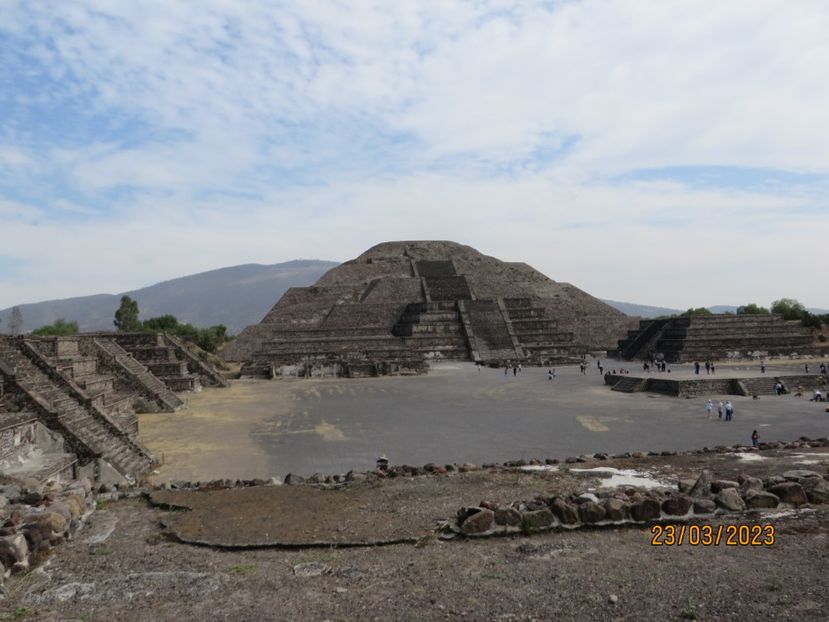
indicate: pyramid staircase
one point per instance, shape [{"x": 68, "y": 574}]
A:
[
  {"x": 66, "y": 408},
  {"x": 148, "y": 385}
]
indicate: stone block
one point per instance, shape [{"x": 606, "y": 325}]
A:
[
  {"x": 760, "y": 499},
  {"x": 537, "y": 519},
  {"x": 729, "y": 499},
  {"x": 677, "y": 505},
  {"x": 565, "y": 512},
  {"x": 591, "y": 512},
  {"x": 479, "y": 522},
  {"x": 789, "y": 492},
  {"x": 645, "y": 510}
]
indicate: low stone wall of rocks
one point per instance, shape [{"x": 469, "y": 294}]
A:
[
  {"x": 38, "y": 517},
  {"x": 703, "y": 498},
  {"x": 432, "y": 469}
]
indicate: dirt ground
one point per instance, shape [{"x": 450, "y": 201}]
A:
[{"x": 125, "y": 566}]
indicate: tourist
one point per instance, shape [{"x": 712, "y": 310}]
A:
[
  {"x": 720, "y": 407},
  {"x": 818, "y": 395},
  {"x": 806, "y": 365},
  {"x": 762, "y": 367},
  {"x": 515, "y": 370},
  {"x": 549, "y": 374},
  {"x": 823, "y": 368},
  {"x": 709, "y": 407},
  {"x": 506, "y": 370},
  {"x": 729, "y": 410},
  {"x": 778, "y": 388},
  {"x": 707, "y": 367},
  {"x": 755, "y": 439},
  {"x": 696, "y": 367},
  {"x": 601, "y": 369},
  {"x": 712, "y": 368},
  {"x": 519, "y": 367}
]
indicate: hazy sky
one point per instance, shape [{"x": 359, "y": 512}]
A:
[{"x": 663, "y": 152}]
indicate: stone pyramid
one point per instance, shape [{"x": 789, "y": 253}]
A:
[{"x": 402, "y": 303}]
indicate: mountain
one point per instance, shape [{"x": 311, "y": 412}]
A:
[
  {"x": 235, "y": 296},
  {"x": 643, "y": 311}
]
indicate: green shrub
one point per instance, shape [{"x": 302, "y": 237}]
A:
[{"x": 59, "y": 328}]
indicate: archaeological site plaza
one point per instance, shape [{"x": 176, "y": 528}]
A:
[{"x": 426, "y": 432}]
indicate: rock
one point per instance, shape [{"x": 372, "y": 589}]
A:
[
  {"x": 30, "y": 484},
  {"x": 51, "y": 522},
  {"x": 789, "y": 492},
  {"x": 685, "y": 485},
  {"x": 508, "y": 516},
  {"x": 311, "y": 569},
  {"x": 565, "y": 512},
  {"x": 12, "y": 493},
  {"x": 60, "y": 507},
  {"x": 75, "y": 505},
  {"x": 616, "y": 509},
  {"x": 721, "y": 484},
  {"x": 479, "y": 522},
  {"x": 292, "y": 480},
  {"x": 13, "y": 550},
  {"x": 702, "y": 487},
  {"x": 645, "y": 510},
  {"x": 758, "y": 499},
  {"x": 3, "y": 501},
  {"x": 704, "y": 506},
  {"x": 591, "y": 512},
  {"x": 467, "y": 466},
  {"x": 537, "y": 519},
  {"x": 588, "y": 496},
  {"x": 613, "y": 599},
  {"x": 355, "y": 476},
  {"x": 817, "y": 490},
  {"x": 32, "y": 498},
  {"x": 750, "y": 483},
  {"x": 677, "y": 505},
  {"x": 797, "y": 475},
  {"x": 729, "y": 499},
  {"x": 465, "y": 512}
]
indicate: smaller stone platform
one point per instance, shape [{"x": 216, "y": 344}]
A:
[{"x": 716, "y": 385}]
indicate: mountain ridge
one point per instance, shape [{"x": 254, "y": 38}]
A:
[{"x": 246, "y": 291}]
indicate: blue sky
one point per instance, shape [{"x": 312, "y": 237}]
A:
[{"x": 663, "y": 152}]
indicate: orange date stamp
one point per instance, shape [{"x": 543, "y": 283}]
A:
[{"x": 713, "y": 535}]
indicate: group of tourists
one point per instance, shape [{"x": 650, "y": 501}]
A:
[
  {"x": 726, "y": 409},
  {"x": 709, "y": 367},
  {"x": 658, "y": 365}
]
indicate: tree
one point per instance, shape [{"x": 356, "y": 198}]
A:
[
  {"x": 60, "y": 327},
  {"x": 697, "y": 311},
  {"x": 789, "y": 308},
  {"x": 126, "y": 317},
  {"x": 752, "y": 309},
  {"x": 16, "y": 321}
]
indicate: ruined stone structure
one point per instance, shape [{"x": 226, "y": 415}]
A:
[
  {"x": 402, "y": 303},
  {"x": 82, "y": 392},
  {"x": 712, "y": 337}
]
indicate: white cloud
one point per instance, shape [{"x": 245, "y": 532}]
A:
[{"x": 530, "y": 112}]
